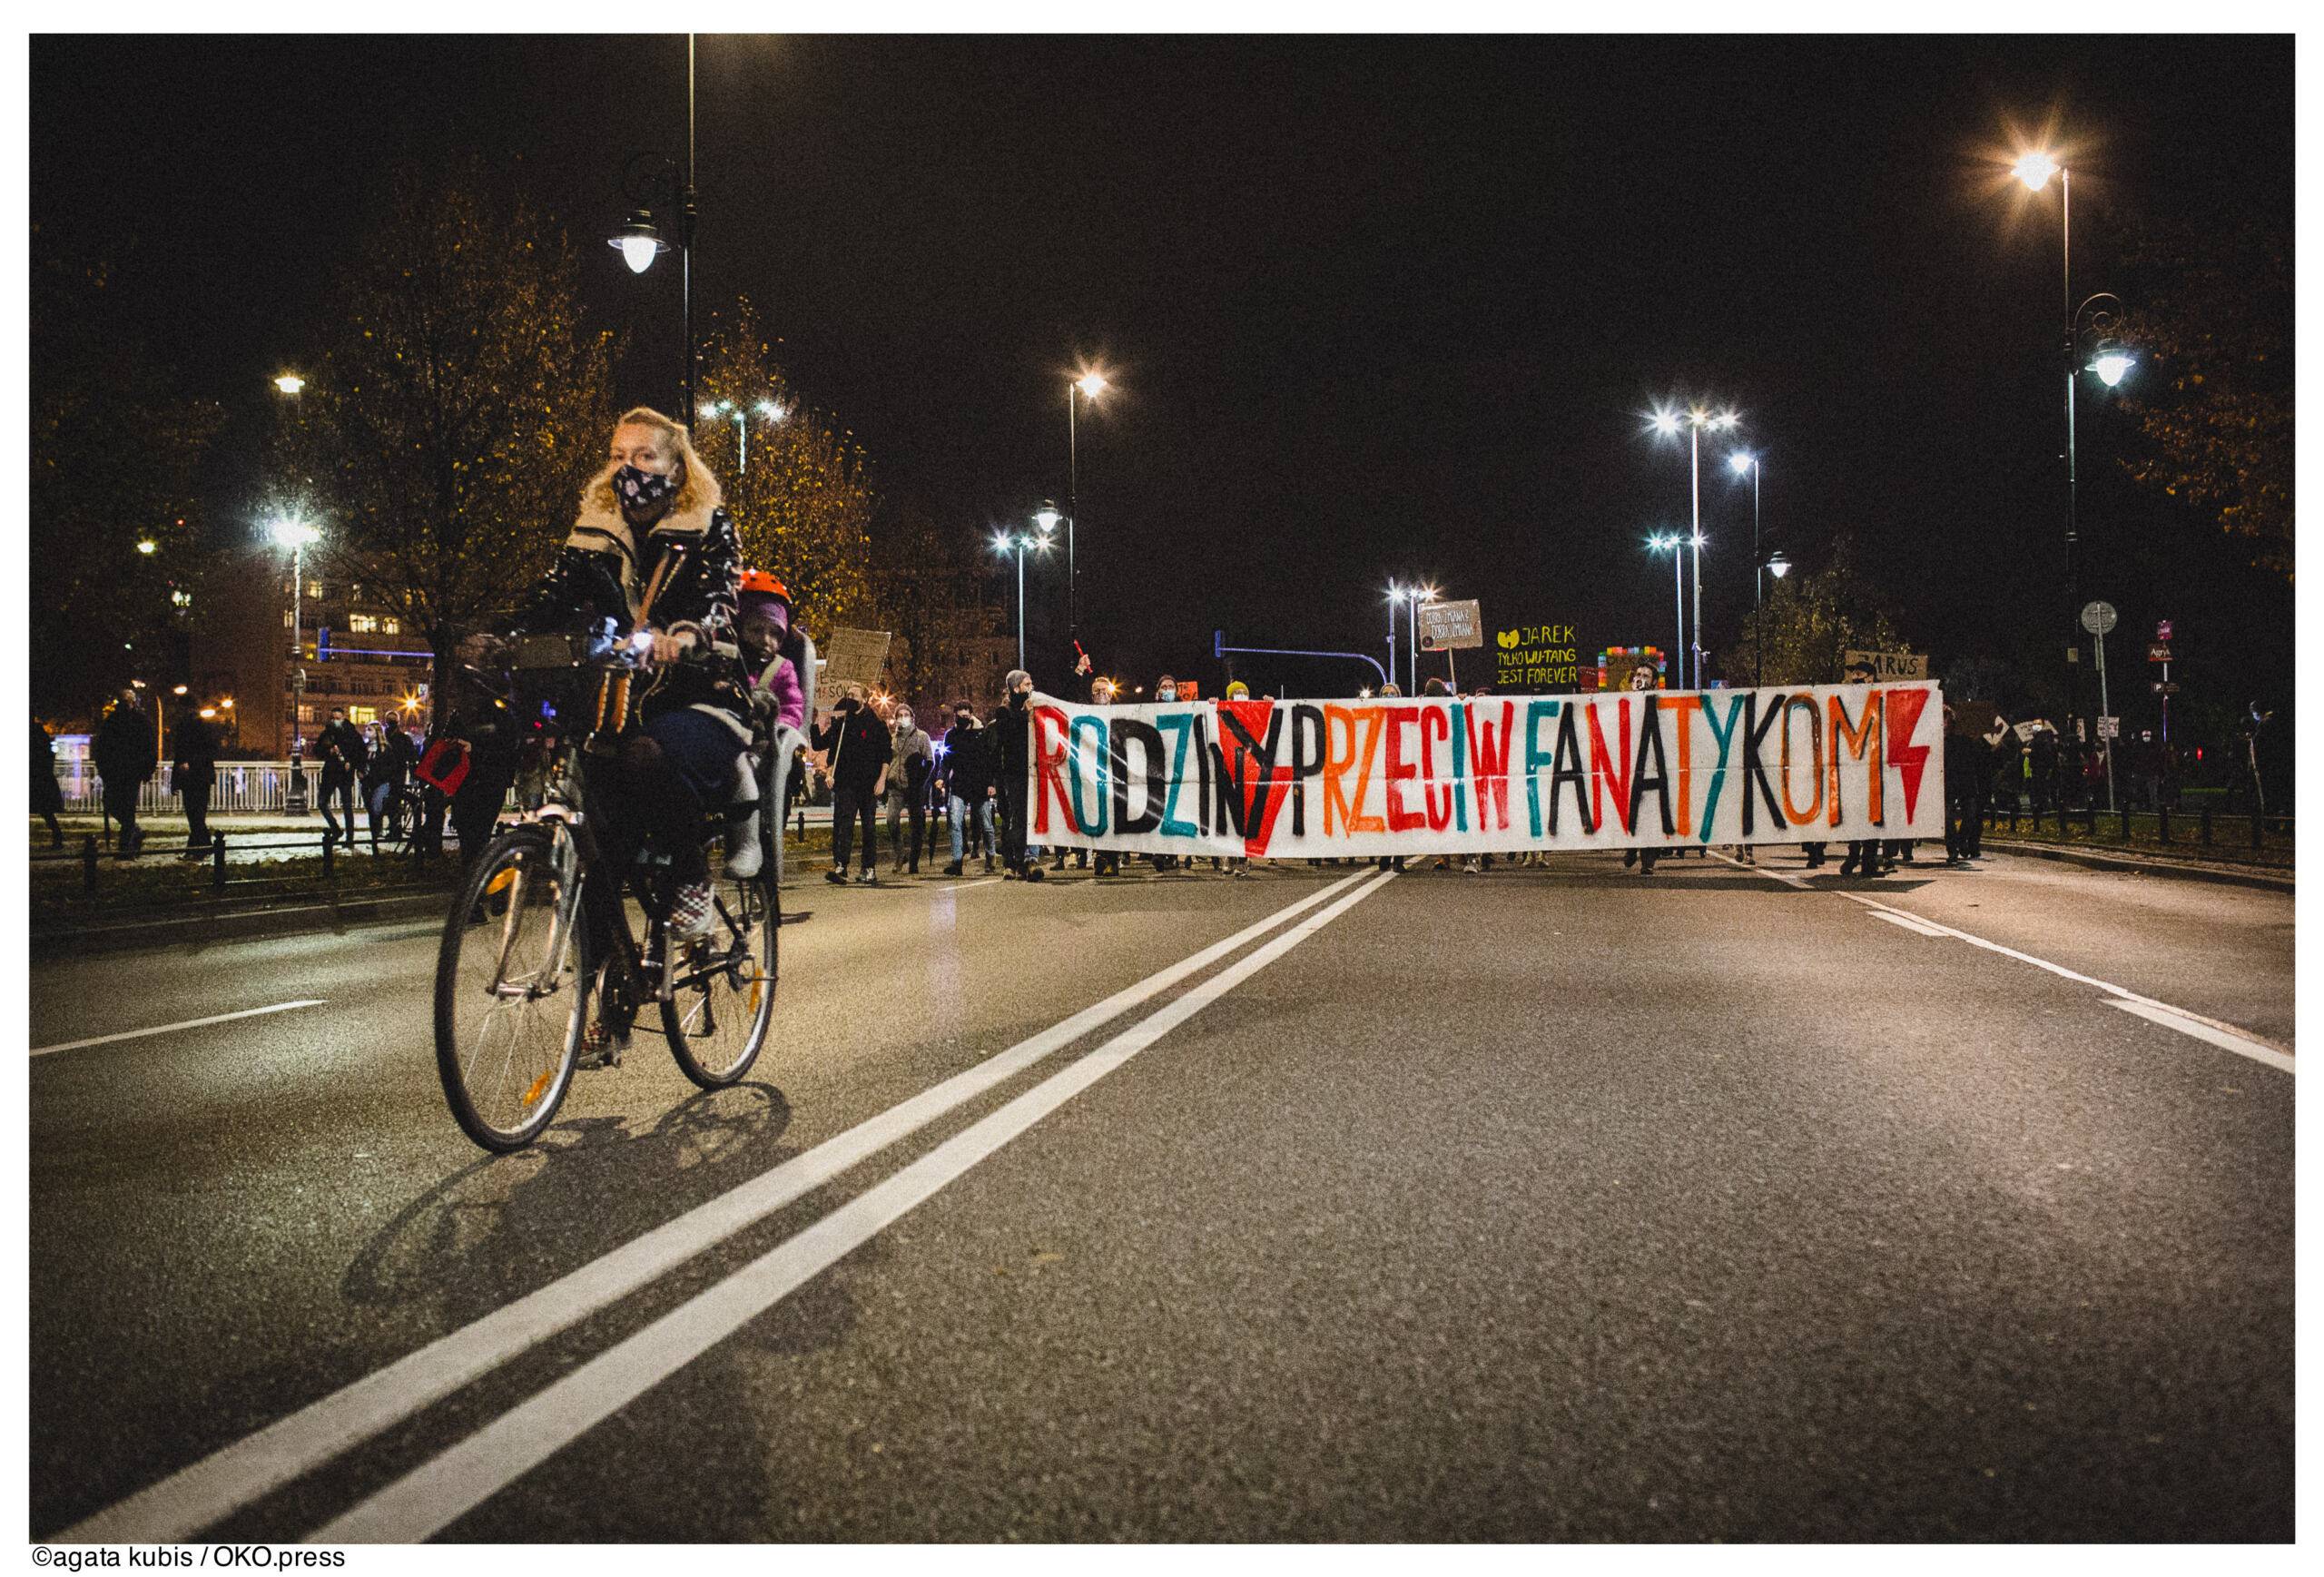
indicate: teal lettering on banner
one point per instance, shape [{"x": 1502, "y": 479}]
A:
[
  {"x": 1092, "y": 723},
  {"x": 1172, "y": 826}
]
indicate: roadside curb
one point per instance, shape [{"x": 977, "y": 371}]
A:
[
  {"x": 257, "y": 922},
  {"x": 2147, "y": 865}
]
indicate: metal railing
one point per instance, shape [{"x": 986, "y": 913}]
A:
[
  {"x": 237, "y": 785},
  {"x": 2194, "y": 827}
]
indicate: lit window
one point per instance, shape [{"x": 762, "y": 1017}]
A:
[
  {"x": 307, "y": 711},
  {"x": 363, "y": 713},
  {"x": 315, "y": 589},
  {"x": 286, "y": 618},
  {"x": 363, "y": 624},
  {"x": 391, "y": 627}
]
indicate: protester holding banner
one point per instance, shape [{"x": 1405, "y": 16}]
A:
[{"x": 1014, "y": 726}]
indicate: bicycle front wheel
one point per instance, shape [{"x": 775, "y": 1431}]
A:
[
  {"x": 511, "y": 999},
  {"x": 722, "y": 996}
]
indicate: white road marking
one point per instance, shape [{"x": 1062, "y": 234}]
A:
[
  {"x": 2242, "y": 1045},
  {"x": 166, "y": 1028},
  {"x": 980, "y": 882},
  {"x": 2219, "y": 1032},
  {"x": 232, "y": 1477},
  {"x": 442, "y": 1490},
  {"x": 1909, "y": 924}
]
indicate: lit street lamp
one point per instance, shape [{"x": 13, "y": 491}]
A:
[
  {"x": 1395, "y": 595},
  {"x": 1658, "y": 543},
  {"x": 1414, "y": 596},
  {"x": 1666, "y": 423},
  {"x": 1088, "y": 386},
  {"x": 767, "y": 409},
  {"x": 290, "y": 383},
  {"x": 640, "y": 242},
  {"x": 1744, "y": 464},
  {"x": 1016, "y": 542},
  {"x": 296, "y": 534}
]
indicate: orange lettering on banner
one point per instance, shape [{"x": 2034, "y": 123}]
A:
[
  {"x": 1863, "y": 743},
  {"x": 1335, "y": 803},
  {"x": 1601, "y": 771},
  {"x": 1436, "y": 723},
  {"x": 1683, "y": 708},
  {"x": 1356, "y": 821},
  {"x": 1793, "y": 813},
  {"x": 1402, "y": 770}
]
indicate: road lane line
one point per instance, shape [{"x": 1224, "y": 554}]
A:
[
  {"x": 2125, "y": 993},
  {"x": 1912, "y": 925},
  {"x": 980, "y": 882},
  {"x": 445, "y": 1488},
  {"x": 2242, "y": 1045},
  {"x": 165, "y": 1029},
  {"x": 196, "y": 1496}
]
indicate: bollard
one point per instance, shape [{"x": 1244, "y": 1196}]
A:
[
  {"x": 2162, "y": 824},
  {"x": 2207, "y": 826},
  {"x": 89, "y": 865},
  {"x": 218, "y": 861}
]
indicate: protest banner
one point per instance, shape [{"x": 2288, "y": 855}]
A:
[
  {"x": 854, "y": 657},
  {"x": 1489, "y": 774},
  {"x": 1536, "y": 657}
]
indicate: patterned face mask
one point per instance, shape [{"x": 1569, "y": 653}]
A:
[{"x": 643, "y": 492}]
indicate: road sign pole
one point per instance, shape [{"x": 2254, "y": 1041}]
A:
[{"x": 2107, "y": 747}]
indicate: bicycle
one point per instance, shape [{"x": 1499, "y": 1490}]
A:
[{"x": 533, "y": 941}]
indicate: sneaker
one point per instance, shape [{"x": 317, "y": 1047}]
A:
[
  {"x": 1033, "y": 874},
  {"x": 836, "y": 876},
  {"x": 988, "y": 864},
  {"x": 1471, "y": 867},
  {"x": 691, "y": 912},
  {"x": 953, "y": 869},
  {"x": 867, "y": 879}
]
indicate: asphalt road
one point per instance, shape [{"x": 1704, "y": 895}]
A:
[{"x": 1556, "y": 1204}]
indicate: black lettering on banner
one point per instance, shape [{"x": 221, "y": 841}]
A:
[
  {"x": 1255, "y": 759},
  {"x": 1203, "y": 780},
  {"x": 1755, "y": 734},
  {"x": 1307, "y": 760},
  {"x": 1148, "y": 739},
  {"x": 1566, "y": 768},
  {"x": 1650, "y": 738}
]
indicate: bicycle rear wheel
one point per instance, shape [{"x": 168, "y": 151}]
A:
[
  {"x": 723, "y": 995},
  {"x": 511, "y": 996}
]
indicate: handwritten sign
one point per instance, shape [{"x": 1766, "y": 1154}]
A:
[
  {"x": 1450, "y": 627},
  {"x": 1888, "y": 665},
  {"x": 1536, "y": 657},
  {"x": 1328, "y": 779},
  {"x": 854, "y": 657}
]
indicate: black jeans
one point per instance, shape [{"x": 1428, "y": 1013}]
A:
[
  {"x": 908, "y": 849},
  {"x": 1012, "y": 824},
  {"x": 1965, "y": 827},
  {"x": 120, "y": 804},
  {"x": 850, "y": 804},
  {"x": 342, "y": 789},
  {"x": 197, "y": 814}
]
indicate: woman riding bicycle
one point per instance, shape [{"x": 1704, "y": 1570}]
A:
[{"x": 652, "y": 548}]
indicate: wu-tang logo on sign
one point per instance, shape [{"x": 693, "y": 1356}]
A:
[{"x": 1508, "y": 639}]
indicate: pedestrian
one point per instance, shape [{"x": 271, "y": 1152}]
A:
[
  {"x": 1644, "y": 678},
  {"x": 1166, "y": 688},
  {"x": 343, "y": 755},
  {"x": 1863, "y": 853},
  {"x": 968, "y": 785},
  {"x": 384, "y": 775},
  {"x": 193, "y": 772},
  {"x": 1966, "y": 759},
  {"x": 48, "y": 798},
  {"x": 1013, "y": 759},
  {"x": 123, "y": 755},
  {"x": 912, "y": 762},
  {"x": 2041, "y": 775},
  {"x": 855, "y": 747}
]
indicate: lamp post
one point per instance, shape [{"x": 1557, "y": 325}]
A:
[
  {"x": 1658, "y": 543},
  {"x": 1666, "y": 424},
  {"x": 1088, "y": 386},
  {"x": 1395, "y": 595},
  {"x": 1742, "y": 463},
  {"x": 640, "y": 242},
  {"x": 1016, "y": 542},
  {"x": 296, "y": 534},
  {"x": 1414, "y": 596},
  {"x": 771, "y": 410}
]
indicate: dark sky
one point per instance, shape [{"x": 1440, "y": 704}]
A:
[{"x": 1378, "y": 308}]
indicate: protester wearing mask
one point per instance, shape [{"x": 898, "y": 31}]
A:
[
  {"x": 968, "y": 787},
  {"x": 1643, "y": 677},
  {"x": 1166, "y": 688},
  {"x": 1863, "y": 853},
  {"x": 911, "y": 759},
  {"x": 855, "y": 747},
  {"x": 1015, "y": 727}
]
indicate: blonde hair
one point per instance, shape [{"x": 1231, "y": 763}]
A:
[{"x": 700, "y": 492}]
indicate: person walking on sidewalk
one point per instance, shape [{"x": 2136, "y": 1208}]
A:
[
  {"x": 343, "y": 757},
  {"x": 124, "y": 754},
  {"x": 968, "y": 787},
  {"x": 1015, "y": 727},
  {"x": 193, "y": 772},
  {"x": 854, "y": 744},
  {"x": 384, "y": 777},
  {"x": 911, "y": 759},
  {"x": 1966, "y": 763},
  {"x": 48, "y": 800}
]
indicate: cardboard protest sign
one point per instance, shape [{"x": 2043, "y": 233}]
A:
[
  {"x": 854, "y": 657},
  {"x": 1334, "y": 779}
]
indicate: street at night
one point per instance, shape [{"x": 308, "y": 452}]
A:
[{"x": 1553, "y": 1204}]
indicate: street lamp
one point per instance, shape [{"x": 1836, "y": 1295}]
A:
[
  {"x": 768, "y": 409},
  {"x": 1089, "y": 386},
  {"x": 1395, "y": 595},
  {"x": 640, "y": 242},
  {"x": 1414, "y": 596},
  {"x": 1746, "y": 463},
  {"x": 1658, "y": 543},
  {"x": 146, "y": 545},
  {"x": 290, "y": 383},
  {"x": 1016, "y": 542},
  {"x": 1666, "y": 424},
  {"x": 295, "y": 534}
]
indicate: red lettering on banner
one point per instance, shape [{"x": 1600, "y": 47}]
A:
[
  {"x": 1601, "y": 770},
  {"x": 1489, "y": 769},
  {"x": 1261, "y": 803},
  {"x": 1436, "y": 723},
  {"x": 1047, "y": 769},
  {"x": 1357, "y": 822},
  {"x": 1401, "y": 771},
  {"x": 1336, "y": 765},
  {"x": 1904, "y": 709}
]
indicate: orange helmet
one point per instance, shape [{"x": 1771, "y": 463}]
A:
[{"x": 764, "y": 583}]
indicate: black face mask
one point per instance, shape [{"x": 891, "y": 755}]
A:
[
  {"x": 847, "y": 705},
  {"x": 644, "y": 492},
  {"x": 963, "y": 720}
]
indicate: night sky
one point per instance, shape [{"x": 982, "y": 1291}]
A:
[{"x": 1378, "y": 308}]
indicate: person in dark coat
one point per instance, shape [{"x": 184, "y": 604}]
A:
[
  {"x": 1865, "y": 854},
  {"x": 124, "y": 755},
  {"x": 2041, "y": 755},
  {"x": 1966, "y": 762},
  {"x": 965, "y": 779},
  {"x": 193, "y": 772},
  {"x": 1014, "y": 726},
  {"x": 344, "y": 753},
  {"x": 48, "y": 798},
  {"x": 388, "y": 770},
  {"x": 855, "y": 747}
]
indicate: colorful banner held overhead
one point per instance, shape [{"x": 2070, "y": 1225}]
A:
[{"x": 1499, "y": 773}]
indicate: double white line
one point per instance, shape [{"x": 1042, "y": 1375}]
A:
[{"x": 452, "y": 1483}]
